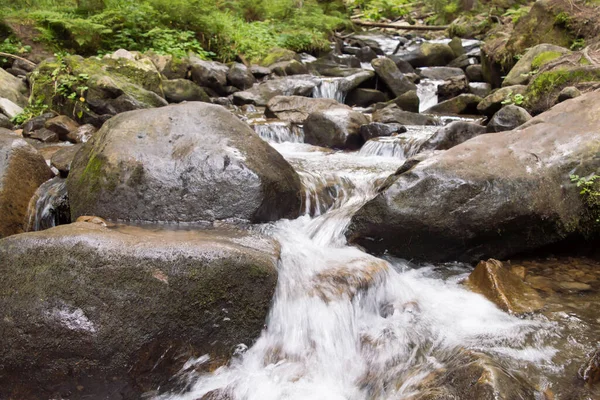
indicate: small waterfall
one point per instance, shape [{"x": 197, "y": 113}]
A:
[
  {"x": 279, "y": 132},
  {"x": 427, "y": 93},
  {"x": 330, "y": 88},
  {"x": 401, "y": 146},
  {"x": 49, "y": 206},
  {"x": 322, "y": 193}
]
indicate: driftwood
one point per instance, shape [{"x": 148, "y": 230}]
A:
[
  {"x": 405, "y": 27},
  {"x": 18, "y": 58}
]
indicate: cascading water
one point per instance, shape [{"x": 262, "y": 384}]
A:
[
  {"x": 279, "y": 131},
  {"x": 49, "y": 205},
  {"x": 402, "y": 146},
  {"x": 427, "y": 93},
  {"x": 347, "y": 325},
  {"x": 330, "y": 88}
]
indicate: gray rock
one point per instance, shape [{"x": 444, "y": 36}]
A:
[
  {"x": 36, "y": 123},
  {"x": 210, "y": 74},
  {"x": 178, "y": 90},
  {"x": 378, "y": 129},
  {"x": 259, "y": 71},
  {"x": 570, "y": 92},
  {"x": 25, "y": 66},
  {"x": 463, "y": 62},
  {"x": 45, "y": 136},
  {"x": 9, "y": 108},
  {"x": 240, "y": 76},
  {"x": 393, "y": 114},
  {"x": 62, "y": 159},
  {"x": 430, "y": 55},
  {"x": 457, "y": 47},
  {"x": 452, "y": 87},
  {"x": 361, "y": 97},
  {"x": 82, "y": 134},
  {"x": 181, "y": 163},
  {"x": 297, "y": 108},
  {"x": 5, "y": 122},
  {"x": 441, "y": 73},
  {"x": 124, "y": 308},
  {"x": 462, "y": 104},
  {"x": 451, "y": 135},
  {"x": 481, "y": 89},
  {"x": 297, "y": 85},
  {"x": 491, "y": 104},
  {"x": 22, "y": 171},
  {"x": 454, "y": 205},
  {"x": 366, "y": 54},
  {"x": 335, "y": 128},
  {"x": 475, "y": 73},
  {"x": 286, "y": 68},
  {"x": 409, "y": 101},
  {"x": 395, "y": 80},
  {"x": 13, "y": 88},
  {"x": 508, "y": 118}
]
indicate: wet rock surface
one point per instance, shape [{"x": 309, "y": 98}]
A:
[
  {"x": 120, "y": 173},
  {"x": 335, "y": 128},
  {"x": 22, "y": 171},
  {"x": 169, "y": 296},
  {"x": 456, "y": 210}
]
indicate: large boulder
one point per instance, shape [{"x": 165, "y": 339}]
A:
[
  {"x": 335, "y": 128},
  {"x": 362, "y": 97},
  {"x": 181, "y": 163},
  {"x": 114, "y": 313},
  {"x": 532, "y": 60},
  {"x": 297, "y": 85},
  {"x": 13, "y": 88},
  {"x": 451, "y": 135},
  {"x": 22, "y": 171},
  {"x": 495, "y": 195},
  {"x": 240, "y": 76},
  {"x": 297, "y": 108},
  {"x": 395, "y": 80},
  {"x": 509, "y": 117},
  {"x": 441, "y": 73}
]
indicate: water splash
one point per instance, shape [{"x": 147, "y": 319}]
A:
[
  {"x": 427, "y": 93},
  {"x": 279, "y": 131},
  {"x": 49, "y": 206},
  {"x": 331, "y": 88},
  {"x": 401, "y": 146}
]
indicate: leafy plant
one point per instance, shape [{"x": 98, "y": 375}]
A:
[
  {"x": 515, "y": 98},
  {"x": 589, "y": 191},
  {"x": 578, "y": 44},
  {"x": 31, "y": 111},
  {"x": 516, "y": 13},
  {"x": 13, "y": 46}
]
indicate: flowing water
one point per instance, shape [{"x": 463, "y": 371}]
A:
[
  {"x": 347, "y": 325},
  {"x": 49, "y": 205}
]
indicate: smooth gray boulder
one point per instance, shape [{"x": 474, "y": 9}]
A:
[
  {"x": 296, "y": 85},
  {"x": 395, "y": 80},
  {"x": 508, "y": 118},
  {"x": 112, "y": 313},
  {"x": 495, "y": 195},
  {"x": 297, "y": 108},
  {"x": 393, "y": 114},
  {"x": 335, "y": 128},
  {"x": 451, "y": 135},
  {"x": 181, "y": 163}
]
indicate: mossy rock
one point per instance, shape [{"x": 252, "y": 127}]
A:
[
  {"x": 542, "y": 93},
  {"x": 535, "y": 58},
  {"x": 106, "y": 80},
  {"x": 277, "y": 55}
]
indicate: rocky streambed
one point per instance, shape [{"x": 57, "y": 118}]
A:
[{"x": 327, "y": 228}]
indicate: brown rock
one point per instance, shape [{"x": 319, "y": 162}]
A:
[
  {"x": 45, "y": 136},
  {"x": 297, "y": 108},
  {"x": 94, "y": 220},
  {"x": 82, "y": 134},
  {"x": 506, "y": 290},
  {"x": 572, "y": 287},
  {"x": 590, "y": 372},
  {"x": 22, "y": 171},
  {"x": 519, "y": 271},
  {"x": 61, "y": 125}
]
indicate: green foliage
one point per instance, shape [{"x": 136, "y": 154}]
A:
[
  {"x": 516, "y": 13},
  {"x": 13, "y": 46},
  {"x": 31, "y": 111},
  {"x": 590, "y": 192},
  {"x": 378, "y": 9},
  {"x": 578, "y": 44},
  {"x": 514, "y": 98},
  {"x": 545, "y": 58},
  {"x": 562, "y": 19}
]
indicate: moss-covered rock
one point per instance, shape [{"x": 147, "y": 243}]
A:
[
  {"x": 535, "y": 57},
  {"x": 465, "y": 103},
  {"x": 85, "y": 87},
  {"x": 13, "y": 88},
  {"x": 492, "y": 103},
  {"x": 116, "y": 312},
  {"x": 278, "y": 54},
  {"x": 543, "y": 91}
]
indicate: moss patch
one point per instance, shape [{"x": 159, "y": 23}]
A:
[{"x": 545, "y": 58}]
